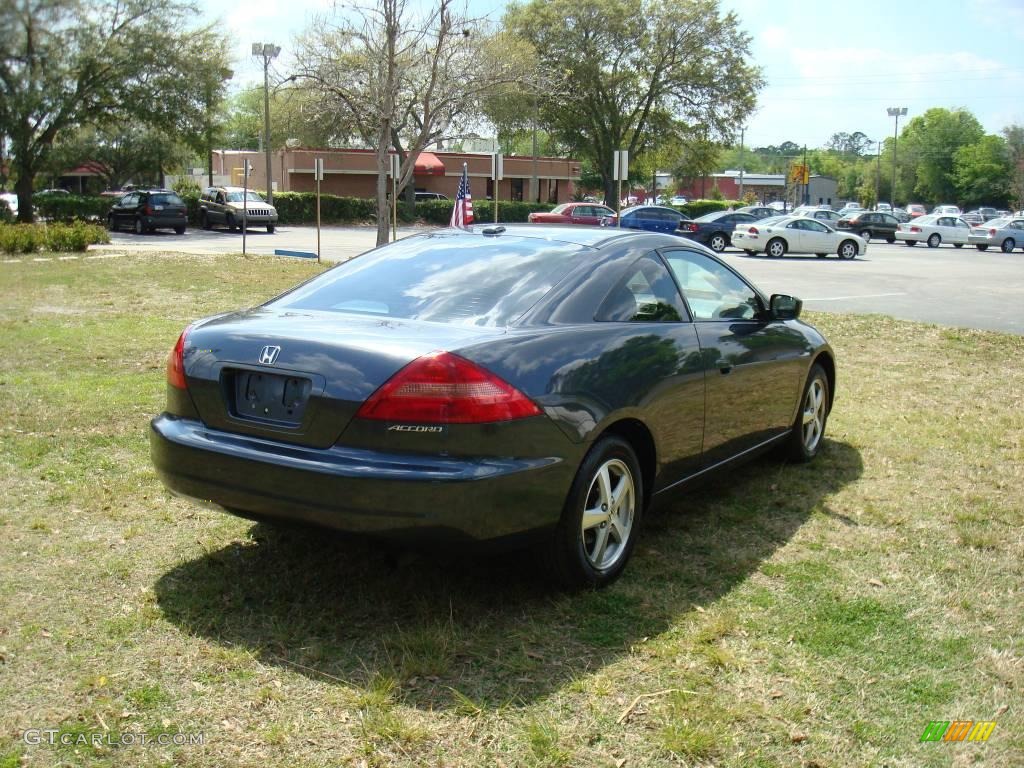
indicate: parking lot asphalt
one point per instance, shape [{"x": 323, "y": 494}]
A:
[{"x": 958, "y": 287}]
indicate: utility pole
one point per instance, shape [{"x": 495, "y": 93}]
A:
[
  {"x": 741, "y": 163},
  {"x": 878, "y": 174},
  {"x": 895, "y": 112},
  {"x": 806, "y": 180},
  {"x": 268, "y": 51}
]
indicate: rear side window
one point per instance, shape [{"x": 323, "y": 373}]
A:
[
  {"x": 442, "y": 278},
  {"x": 646, "y": 293}
]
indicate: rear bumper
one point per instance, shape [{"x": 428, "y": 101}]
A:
[
  {"x": 169, "y": 220},
  {"x": 360, "y": 490}
]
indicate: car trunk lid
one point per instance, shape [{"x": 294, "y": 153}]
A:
[{"x": 300, "y": 376}]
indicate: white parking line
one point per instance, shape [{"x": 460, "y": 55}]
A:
[{"x": 861, "y": 296}]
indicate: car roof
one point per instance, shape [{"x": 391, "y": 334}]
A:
[{"x": 587, "y": 237}]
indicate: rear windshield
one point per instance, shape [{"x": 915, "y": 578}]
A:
[
  {"x": 483, "y": 281},
  {"x": 166, "y": 199}
]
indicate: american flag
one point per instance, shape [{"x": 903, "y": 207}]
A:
[{"x": 462, "y": 213}]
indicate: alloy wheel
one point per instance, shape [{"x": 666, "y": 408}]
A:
[
  {"x": 814, "y": 415},
  {"x": 608, "y": 515}
]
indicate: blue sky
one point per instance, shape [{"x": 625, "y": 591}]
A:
[{"x": 829, "y": 66}]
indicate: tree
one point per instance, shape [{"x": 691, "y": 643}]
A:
[
  {"x": 698, "y": 158},
  {"x": 926, "y": 149},
  {"x": 982, "y": 172},
  {"x": 65, "y": 64},
  {"x": 629, "y": 63},
  {"x": 402, "y": 80},
  {"x": 294, "y": 114},
  {"x": 855, "y": 143},
  {"x": 119, "y": 153},
  {"x": 1014, "y": 135}
]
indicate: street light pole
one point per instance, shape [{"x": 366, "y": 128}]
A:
[
  {"x": 878, "y": 174},
  {"x": 268, "y": 51},
  {"x": 895, "y": 112}
]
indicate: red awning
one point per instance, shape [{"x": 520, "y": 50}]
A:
[{"x": 428, "y": 164}]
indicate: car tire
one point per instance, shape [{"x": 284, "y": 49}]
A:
[
  {"x": 140, "y": 228},
  {"x": 847, "y": 250},
  {"x": 776, "y": 248},
  {"x": 808, "y": 431},
  {"x": 204, "y": 222},
  {"x": 270, "y": 229},
  {"x": 934, "y": 240},
  {"x": 890, "y": 240},
  {"x": 111, "y": 224},
  {"x": 821, "y": 255},
  {"x": 866, "y": 234},
  {"x": 958, "y": 245},
  {"x": 749, "y": 252},
  {"x": 583, "y": 552},
  {"x": 718, "y": 242},
  {"x": 230, "y": 221},
  {"x": 179, "y": 230},
  {"x": 1008, "y": 245},
  {"x": 981, "y": 247}
]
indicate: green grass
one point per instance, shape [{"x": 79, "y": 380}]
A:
[{"x": 783, "y": 615}]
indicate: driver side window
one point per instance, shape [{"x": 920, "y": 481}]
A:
[{"x": 713, "y": 291}]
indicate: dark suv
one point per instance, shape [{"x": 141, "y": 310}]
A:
[
  {"x": 869, "y": 224},
  {"x": 147, "y": 209}
]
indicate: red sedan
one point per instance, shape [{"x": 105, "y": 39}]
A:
[{"x": 573, "y": 213}]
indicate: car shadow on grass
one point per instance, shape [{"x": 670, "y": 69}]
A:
[{"x": 448, "y": 631}]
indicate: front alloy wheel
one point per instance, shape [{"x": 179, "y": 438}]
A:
[
  {"x": 807, "y": 433},
  {"x": 595, "y": 537},
  {"x": 717, "y": 243},
  {"x": 847, "y": 250}
]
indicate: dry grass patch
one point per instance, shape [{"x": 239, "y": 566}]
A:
[{"x": 785, "y": 615}]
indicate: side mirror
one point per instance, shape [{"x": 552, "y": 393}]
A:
[{"x": 783, "y": 307}]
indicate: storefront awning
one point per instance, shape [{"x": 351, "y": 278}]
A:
[{"x": 428, "y": 164}]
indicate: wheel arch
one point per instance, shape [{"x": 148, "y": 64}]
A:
[
  {"x": 828, "y": 363},
  {"x": 636, "y": 433}
]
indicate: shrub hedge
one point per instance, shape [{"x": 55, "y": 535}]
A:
[
  {"x": 73, "y": 207},
  {"x": 697, "y": 208},
  {"x": 29, "y": 238},
  {"x": 300, "y": 208}
]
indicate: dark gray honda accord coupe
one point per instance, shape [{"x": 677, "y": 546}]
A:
[{"x": 493, "y": 384}]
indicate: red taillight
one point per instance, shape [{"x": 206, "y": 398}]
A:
[
  {"x": 148, "y": 210},
  {"x": 753, "y": 231},
  {"x": 992, "y": 233},
  {"x": 692, "y": 226},
  {"x": 443, "y": 388},
  {"x": 176, "y": 363},
  {"x": 915, "y": 229}
]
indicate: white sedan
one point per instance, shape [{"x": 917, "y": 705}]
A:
[
  {"x": 934, "y": 230},
  {"x": 796, "y": 234}
]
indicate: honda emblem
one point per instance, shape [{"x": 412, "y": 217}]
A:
[{"x": 268, "y": 355}]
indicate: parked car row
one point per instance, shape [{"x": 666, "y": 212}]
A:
[
  {"x": 146, "y": 210},
  {"x": 1005, "y": 233}
]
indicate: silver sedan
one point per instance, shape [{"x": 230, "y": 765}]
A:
[{"x": 1006, "y": 234}]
